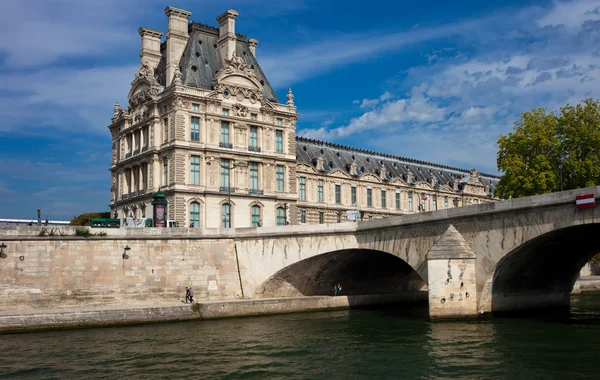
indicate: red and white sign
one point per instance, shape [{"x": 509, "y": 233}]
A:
[{"x": 585, "y": 201}]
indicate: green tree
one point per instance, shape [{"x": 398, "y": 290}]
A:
[
  {"x": 545, "y": 146},
  {"x": 528, "y": 157},
  {"x": 84, "y": 219}
]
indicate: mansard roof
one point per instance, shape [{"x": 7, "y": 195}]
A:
[
  {"x": 340, "y": 157},
  {"x": 200, "y": 61}
]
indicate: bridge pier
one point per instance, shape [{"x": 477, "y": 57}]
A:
[{"x": 451, "y": 277}]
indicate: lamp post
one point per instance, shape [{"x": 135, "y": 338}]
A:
[
  {"x": 2, "y": 246},
  {"x": 561, "y": 162},
  {"x": 125, "y": 250}
]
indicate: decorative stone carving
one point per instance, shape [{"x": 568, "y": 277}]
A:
[
  {"x": 382, "y": 172},
  {"x": 433, "y": 181},
  {"x": 320, "y": 163},
  {"x": 212, "y": 178},
  {"x": 240, "y": 110},
  {"x": 145, "y": 71},
  {"x": 409, "y": 177},
  {"x": 177, "y": 103},
  {"x": 177, "y": 76},
  {"x": 116, "y": 111},
  {"x": 290, "y": 97},
  {"x": 114, "y": 154},
  {"x": 212, "y": 130},
  {"x": 268, "y": 138},
  {"x": 353, "y": 168},
  {"x": 268, "y": 176}
]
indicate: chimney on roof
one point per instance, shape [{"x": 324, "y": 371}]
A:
[
  {"x": 227, "y": 36},
  {"x": 150, "y": 53},
  {"x": 177, "y": 37},
  {"x": 252, "y": 42}
]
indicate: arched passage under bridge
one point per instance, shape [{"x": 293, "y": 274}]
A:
[
  {"x": 541, "y": 272},
  {"x": 359, "y": 271}
]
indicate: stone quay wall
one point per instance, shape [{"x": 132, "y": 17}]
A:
[{"x": 66, "y": 271}]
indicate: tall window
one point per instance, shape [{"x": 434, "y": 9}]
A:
[
  {"x": 320, "y": 190},
  {"x": 398, "y": 201},
  {"x": 422, "y": 202},
  {"x": 195, "y": 170},
  {"x": 302, "y": 188},
  {"x": 280, "y": 216},
  {"x": 353, "y": 195},
  {"x": 225, "y": 132},
  {"x": 279, "y": 141},
  {"x": 225, "y": 210},
  {"x": 279, "y": 177},
  {"x": 195, "y": 129},
  {"x": 165, "y": 129},
  {"x": 321, "y": 218},
  {"x": 434, "y": 200},
  {"x": 410, "y": 201},
  {"x": 165, "y": 171},
  {"x": 383, "y": 199},
  {"x": 338, "y": 194},
  {"x": 254, "y": 137},
  {"x": 255, "y": 216},
  {"x": 302, "y": 216},
  {"x": 224, "y": 173},
  {"x": 195, "y": 214},
  {"x": 445, "y": 202},
  {"x": 254, "y": 175},
  {"x": 369, "y": 197}
]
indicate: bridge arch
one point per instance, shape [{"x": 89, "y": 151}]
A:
[
  {"x": 540, "y": 272},
  {"x": 359, "y": 271}
]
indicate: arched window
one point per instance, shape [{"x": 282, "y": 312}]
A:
[
  {"x": 225, "y": 214},
  {"x": 280, "y": 216},
  {"x": 255, "y": 216},
  {"x": 195, "y": 215}
]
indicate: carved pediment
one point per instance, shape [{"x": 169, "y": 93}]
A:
[
  {"x": 339, "y": 173},
  {"x": 306, "y": 169},
  {"x": 398, "y": 181},
  {"x": 370, "y": 177},
  {"x": 423, "y": 185},
  {"x": 238, "y": 78}
]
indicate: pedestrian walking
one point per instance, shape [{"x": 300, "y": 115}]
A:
[
  {"x": 191, "y": 295},
  {"x": 187, "y": 294}
]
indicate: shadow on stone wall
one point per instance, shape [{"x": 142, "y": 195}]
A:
[
  {"x": 359, "y": 271},
  {"x": 541, "y": 273}
]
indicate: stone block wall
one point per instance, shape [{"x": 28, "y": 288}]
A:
[{"x": 78, "y": 271}]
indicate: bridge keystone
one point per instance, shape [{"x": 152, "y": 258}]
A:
[{"x": 452, "y": 279}]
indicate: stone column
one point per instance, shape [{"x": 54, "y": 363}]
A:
[{"x": 451, "y": 277}]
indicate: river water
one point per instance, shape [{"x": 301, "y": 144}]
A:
[{"x": 354, "y": 344}]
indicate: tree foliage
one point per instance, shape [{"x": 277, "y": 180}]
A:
[
  {"x": 84, "y": 219},
  {"x": 544, "y": 144}
]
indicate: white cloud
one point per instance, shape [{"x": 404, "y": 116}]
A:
[{"x": 457, "y": 106}]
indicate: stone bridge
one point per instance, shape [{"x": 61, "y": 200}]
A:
[{"x": 494, "y": 257}]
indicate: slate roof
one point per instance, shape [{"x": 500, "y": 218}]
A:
[
  {"x": 200, "y": 62},
  {"x": 340, "y": 157}
]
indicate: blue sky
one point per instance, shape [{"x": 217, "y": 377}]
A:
[{"x": 433, "y": 80}]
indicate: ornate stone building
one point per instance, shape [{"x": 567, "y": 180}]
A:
[{"x": 204, "y": 126}]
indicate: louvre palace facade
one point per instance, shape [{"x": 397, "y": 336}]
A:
[{"x": 204, "y": 126}]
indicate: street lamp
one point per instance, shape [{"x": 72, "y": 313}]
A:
[
  {"x": 125, "y": 250},
  {"x": 561, "y": 162},
  {"x": 2, "y": 246}
]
